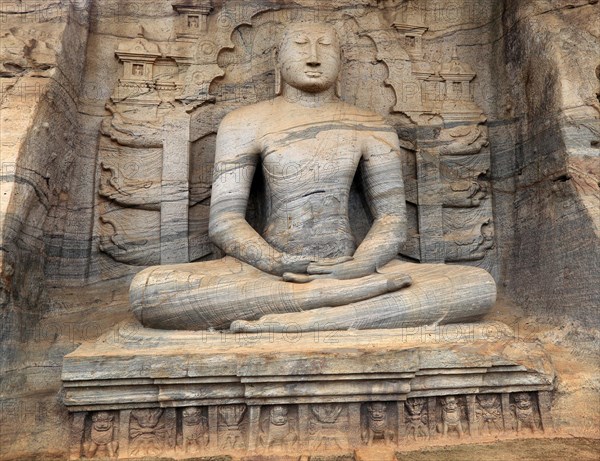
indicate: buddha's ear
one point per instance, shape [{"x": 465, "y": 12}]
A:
[
  {"x": 338, "y": 83},
  {"x": 278, "y": 89},
  {"x": 277, "y": 81}
]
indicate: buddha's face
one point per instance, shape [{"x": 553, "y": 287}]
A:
[{"x": 309, "y": 57}]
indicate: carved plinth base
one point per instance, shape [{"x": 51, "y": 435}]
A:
[{"x": 139, "y": 392}]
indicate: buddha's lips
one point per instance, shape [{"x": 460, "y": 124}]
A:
[{"x": 313, "y": 74}]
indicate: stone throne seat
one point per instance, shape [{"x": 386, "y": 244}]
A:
[{"x": 215, "y": 392}]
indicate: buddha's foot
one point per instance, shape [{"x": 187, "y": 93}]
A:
[
  {"x": 267, "y": 324},
  {"x": 398, "y": 281},
  {"x": 242, "y": 326},
  {"x": 296, "y": 322}
]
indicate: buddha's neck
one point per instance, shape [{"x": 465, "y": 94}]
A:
[{"x": 304, "y": 98}]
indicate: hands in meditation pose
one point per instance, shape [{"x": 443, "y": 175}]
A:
[{"x": 305, "y": 268}]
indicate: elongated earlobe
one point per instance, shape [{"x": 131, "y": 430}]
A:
[
  {"x": 277, "y": 81},
  {"x": 338, "y": 83},
  {"x": 278, "y": 86}
]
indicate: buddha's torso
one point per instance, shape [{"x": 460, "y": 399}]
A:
[{"x": 309, "y": 159}]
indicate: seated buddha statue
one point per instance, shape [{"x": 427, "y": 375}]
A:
[{"x": 304, "y": 267}]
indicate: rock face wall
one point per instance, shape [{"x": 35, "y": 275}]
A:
[
  {"x": 43, "y": 58},
  {"x": 545, "y": 156},
  {"x": 496, "y": 101}
]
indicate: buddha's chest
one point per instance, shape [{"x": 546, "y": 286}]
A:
[{"x": 318, "y": 155}]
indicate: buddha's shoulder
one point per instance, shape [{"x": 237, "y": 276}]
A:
[
  {"x": 253, "y": 114},
  {"x": 266, "y": 112},
  {"x": 362, "y": 115}
]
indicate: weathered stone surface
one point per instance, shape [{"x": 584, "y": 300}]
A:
[
  {"x": 328, "y": 392},
  {"x": 514, "y": 192},
  {"x": 545, "y": 156},
  {"x": 303, "y": 264}
]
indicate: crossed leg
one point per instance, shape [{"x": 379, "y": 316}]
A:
[
  {"x": 229, "y": 293},
  {"x": 439, "y": 294},
  {"x": 213, "y": 294}
]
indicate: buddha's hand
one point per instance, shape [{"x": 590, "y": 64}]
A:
[
  {"x": 295, "y": 263},
  {"x": 304, "y": 277},
  {"x": 349, "y": 269}
]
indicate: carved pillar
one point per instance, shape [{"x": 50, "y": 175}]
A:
[
  {"x": 254, "y": 427},
  {"x": 430, "y": 207},
  {"x": 175, "y": 190},
  {"x": 354, "y": 423},
  {"x": 400, "y": 422},
  {"x": 506, "y": 414},
  {"x": 303, "y": 425},
  {"x": 545, "y": 407},
  {"x": 124, "y": 418},
  {"x": 431, "y": 416},
  {"x": 213, "y": 422},
  {"x": 471, "y": 404},
  {"x": 170, "y": 418},
  {"x": 76, "y": 434}
]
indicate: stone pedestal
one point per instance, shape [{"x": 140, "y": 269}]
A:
[{"x": 188, "y": 394}]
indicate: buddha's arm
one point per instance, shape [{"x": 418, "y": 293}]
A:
[
  {"x": 236, "y": 157},
  {"x": 384, "y": 190}
]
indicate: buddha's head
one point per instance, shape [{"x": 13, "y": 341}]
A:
[{"x": 309, "y": 57}]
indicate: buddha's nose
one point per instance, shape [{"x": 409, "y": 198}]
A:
[{"x": 313, "y": 59}]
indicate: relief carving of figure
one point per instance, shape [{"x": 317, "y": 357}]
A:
[
  {"x": 416, "y": 422},
  {"x": 193, "y": 22},
  {"x": 325, "y": 431},
  {"x": 377, "y": 424},
  {"x": 146, "y": 431},
  {"x": 451, "y": 417},
  {"x": 488, "y": 413},
  {"x": 303, "y": 265},
  {"x": 524, "y": 415},
  {"x": 102, "y": 435},
  {"x": 279, "y": 433},
  {"x": 231, "y": 435},
  {"x": 195, "y": 429}
]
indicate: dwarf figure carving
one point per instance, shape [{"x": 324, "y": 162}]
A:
[
  {"x": 232, "y": 416},
  {"x": 488, "y": 413},
  {"x": 523, "y": 409},
  {"x": 450, "y": 417},
  {"x": 195, "y": 429},
  {"x": 416, "y": 422},
  {"x": 146, "y": 432},
  {"x": 377, "y": 424},
  {"x": 325, "y": 431},
  {"x": 102, "y": 435},
  {"x": 279, "y": 432}
]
